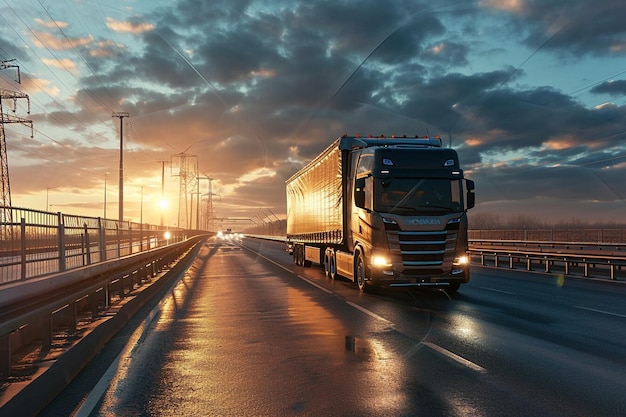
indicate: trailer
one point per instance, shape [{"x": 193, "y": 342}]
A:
[{"x": 385, "y": 211}]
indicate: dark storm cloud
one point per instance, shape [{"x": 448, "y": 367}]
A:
[
  {"x": 612, "y": 88},
  {"x": 574, "y": 26},
  {"x": 566, "y": 183}
]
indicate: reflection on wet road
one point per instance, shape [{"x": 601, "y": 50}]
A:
[{"x": 241, "y": 336}]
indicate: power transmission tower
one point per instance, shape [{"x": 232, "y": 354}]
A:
[
  {"x": 5, "y": 197},
  {"x": 205, "y": 225},
  {"x": 187, "y": 171}
]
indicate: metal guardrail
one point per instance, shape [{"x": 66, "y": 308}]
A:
[
  {"x": 35, "y": 243},
  {"x": 36, "y": 309},
  {"x": 602, "y": 260},
  {"x": 584, "y": 259}
]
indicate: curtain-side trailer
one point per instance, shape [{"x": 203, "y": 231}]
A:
[{"x": 383, "y": 211}]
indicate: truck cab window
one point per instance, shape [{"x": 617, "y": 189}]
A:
[{"x": 412, "y": 196}]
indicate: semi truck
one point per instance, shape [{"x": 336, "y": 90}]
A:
[{"x": 383, "y": 211}]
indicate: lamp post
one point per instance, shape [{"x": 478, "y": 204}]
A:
[
  {"x": 105, "y": 195},
  {"x": 121, "y": 116}
]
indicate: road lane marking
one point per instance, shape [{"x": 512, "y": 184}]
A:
[
  {"x": 368, "y": 312},
  {"x": 495, "y": 290},
  {"x": 316, "y": 285},
  {"x": 459, "y": 359},
  {"x": 601, "y": 311}
]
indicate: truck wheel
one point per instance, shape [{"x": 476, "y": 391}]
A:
[
  {"x": 360, "y": 273},
  {"x": 327, "y": 265},
  {"x": 333, "y": 266},
  {"x": 298, "y": 255}
]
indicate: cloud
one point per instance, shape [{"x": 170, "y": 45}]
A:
[
  {"x": 571, "y": 27},
  {"x": 49, "y": 41},
  {"x": 128, "y": 26},
  {"x": 51, "y": 24},
  {"x": 66, "y": 64},
  {"x": 613, "y": 88}
]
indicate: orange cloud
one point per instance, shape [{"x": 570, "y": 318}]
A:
[
  {"x": 130, "y": 27},
  {"x": 51, "y": 24},
  {"x": 47, "y": 40},
  {"x": 508, "y": 5},
  {"x": 558, "y": 144},
  {"x": 65, "y": 64},
  {"x": 32, "y": 85},
  {"x": 105, "y": 49},
  {"x": 474, "y": 141}
]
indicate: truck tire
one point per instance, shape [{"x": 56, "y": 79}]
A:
[
  {"x": 297, "y": 255},
  {"x": 327, "y": 264},
  {"x": 360, "y": 273},
  {"x": 330, "y": 265},
  {"x": 333, "y": 266}
]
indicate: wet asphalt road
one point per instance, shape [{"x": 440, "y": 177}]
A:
[{"x": 241, "y": 335}]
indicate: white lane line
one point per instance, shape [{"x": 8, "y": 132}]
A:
[
  {"x": 316, "y": 285},
  {"x": 495, "y": 290},
  {"x": 601, "y": 311},
  {"x": 368, "y": 312},
  {"x": 455, "y": 357}
]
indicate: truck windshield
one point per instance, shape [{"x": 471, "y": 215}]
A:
[{"x": 417, "y": 196}]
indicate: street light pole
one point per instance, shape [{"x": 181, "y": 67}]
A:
[
  {"x": 121, "y": 116},
  {"x": 105, "y": 195}
]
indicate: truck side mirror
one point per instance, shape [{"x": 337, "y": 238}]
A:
[
  {"x": 359, "y": 192},
  {"x": 471, "y": 197}
]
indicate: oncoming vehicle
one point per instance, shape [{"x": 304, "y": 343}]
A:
[{"x": 385, "y": 211}]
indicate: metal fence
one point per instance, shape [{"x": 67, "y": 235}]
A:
[{"x": 35, "y": 243}]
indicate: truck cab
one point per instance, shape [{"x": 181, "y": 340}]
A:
[{"x": 408, "y": 219}]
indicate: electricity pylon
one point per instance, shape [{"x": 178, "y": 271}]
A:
[
  {"x": 6, "y": 219},
  {"x": 187, "y": 172}
]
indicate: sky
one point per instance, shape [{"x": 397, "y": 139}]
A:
[{"x": 532, "y": 95}]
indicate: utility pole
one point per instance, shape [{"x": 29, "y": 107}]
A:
[
  {"x": 209, "y": 199},
  {"x": 161, "y": 203},
  {"x": 6, "y": 216},
  {"x": 121, "y": 115}
]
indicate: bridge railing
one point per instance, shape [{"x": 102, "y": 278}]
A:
[
  {"x": 35, "y": 243},
  {"x": 586, "y": 259}
]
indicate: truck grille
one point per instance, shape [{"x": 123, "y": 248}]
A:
[{"x": 423, "y": 252}]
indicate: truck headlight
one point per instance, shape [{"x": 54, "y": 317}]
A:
[
  {"x": 380, "y": 261},
  {"x": 461, "y": 260}
]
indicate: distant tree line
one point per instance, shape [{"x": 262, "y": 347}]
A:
[{"x": 490, "y": 221}]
